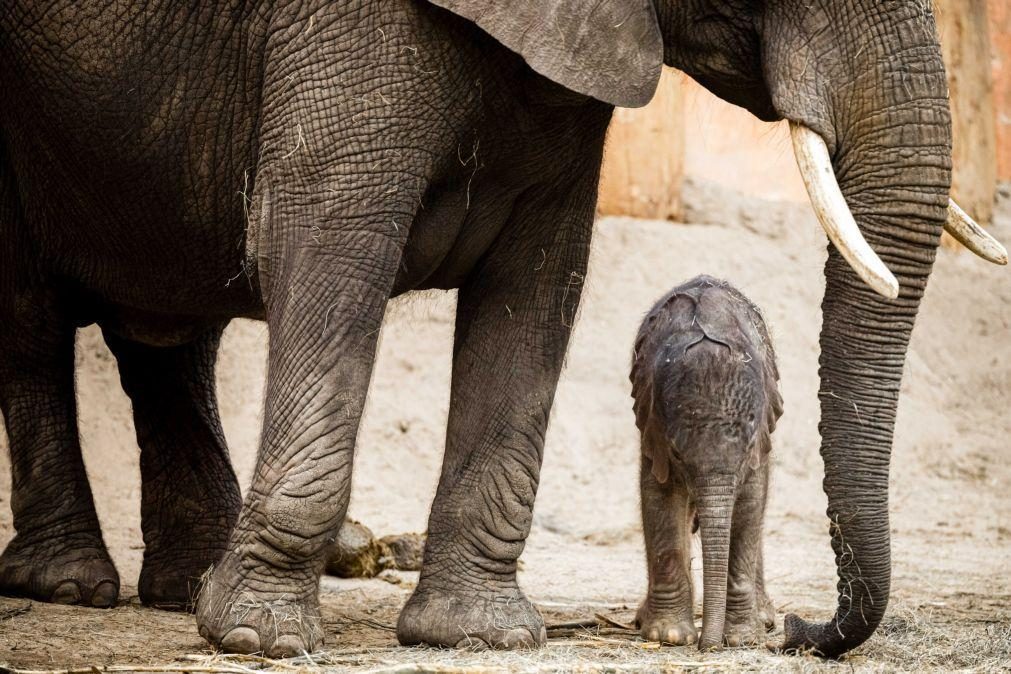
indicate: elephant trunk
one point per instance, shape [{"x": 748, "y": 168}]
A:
[
  {"x": 715, "y": 500},
  {"x": 891, "y": 153}
]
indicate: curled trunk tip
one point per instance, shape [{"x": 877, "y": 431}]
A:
[{"x": 829, "y": 640}]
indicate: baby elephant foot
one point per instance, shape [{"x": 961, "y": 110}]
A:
[
  {"x": 746, "y": 630},
  {"x": 73, "y": 570},
  {"x": 766, "y": 611},
  {"x": 461, "y": 618},
  {"x": 250, "y": 609},
  {"x": 671, "y": 626},
  {"x": 669, "y": 631}
]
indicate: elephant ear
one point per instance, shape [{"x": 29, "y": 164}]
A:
[
  {"x": 608, "y": 49},
  {"x": 670, "y": 339}
]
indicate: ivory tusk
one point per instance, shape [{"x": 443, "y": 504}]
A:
[
  {"x": 834, "y": 213},
  {"x": 972, "y": 236}
]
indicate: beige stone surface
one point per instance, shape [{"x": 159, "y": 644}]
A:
[
  {"x": 963, "y": 26},
  {"x": 644, "y": 157},
  {"x": 728, "y": 146},
  {"x": 687, "y": 132}
]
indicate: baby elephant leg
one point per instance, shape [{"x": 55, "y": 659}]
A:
[
  {"x": 746, "y": 601},
  {"x": 766, "y": 609},
  {"x": 666, "y": 615}
]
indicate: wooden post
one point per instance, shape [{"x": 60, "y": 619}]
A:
[
  {"x": 644, "y": 157},
  {"x": 964, "y": 30},
  {"x": 1000, "y": 42}
]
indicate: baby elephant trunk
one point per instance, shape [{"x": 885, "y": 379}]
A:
[{"x": 715, "y": 503}]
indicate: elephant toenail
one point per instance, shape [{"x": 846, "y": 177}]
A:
[
  {"x": 543, "y": 636},
  {"x": 654, "y": 635},
  {"x": 243, "y": 640},
  {"x": 521, "y": 638},
  {"x": 105, "y": 595},
  {"x": 472, "y": 644},
  {"x": 205, "y": 633},
  {"x": 673, "y": 636},
  {"x": 286, "y": 646},
  {"x": 67, "y": 593}
]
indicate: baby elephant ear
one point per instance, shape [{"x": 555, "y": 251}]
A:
[{"x": 608, "y": 49}]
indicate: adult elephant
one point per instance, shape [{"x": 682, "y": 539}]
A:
[{"x": 168, "y": 167}]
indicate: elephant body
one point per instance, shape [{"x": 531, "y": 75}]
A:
[
  {"x": 706, "y": 390},
  {"x": 163, "y": 182},
  {"x": 165, "y": 168},
  {"x": 166, "y": 132}
]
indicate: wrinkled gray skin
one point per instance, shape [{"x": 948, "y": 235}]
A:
[
  {"x": 705, "y": 384},
  {"x": 167, "y": 167}
]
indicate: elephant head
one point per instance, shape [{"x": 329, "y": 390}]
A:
[{"x": 863, "y": 87}]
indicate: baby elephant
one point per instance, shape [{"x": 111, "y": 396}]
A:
[{"x": 705, "y": 384}]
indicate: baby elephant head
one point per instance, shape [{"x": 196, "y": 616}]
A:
[
  {"x": 706, "y": 400},
  {"x": 711, "y": 399}
]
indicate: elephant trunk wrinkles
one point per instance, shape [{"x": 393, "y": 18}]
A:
[
  {"x": 715, "y": 500},
  {"x": 894, "y": 168}
]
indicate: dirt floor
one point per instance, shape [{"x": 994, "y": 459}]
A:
[{"x": 951, "y": 513}]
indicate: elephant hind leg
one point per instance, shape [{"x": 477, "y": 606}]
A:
[
  {"x": 189, "y": 496},
  {"x": 57, "y": 554},
  {"x": 513, "y": 321},
  {"x": 667, "y": 613}
]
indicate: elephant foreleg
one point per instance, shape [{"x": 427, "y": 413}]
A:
[
  {"x": 746, "y": 599},
  {"x": 766, "y": 609},
  {"x": 513, "y": 321},
  {"x": 667, "y": 613},
  {"x": 327, "y": 295}
]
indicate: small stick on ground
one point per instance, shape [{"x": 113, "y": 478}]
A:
[{"x": 9, "y": 613}]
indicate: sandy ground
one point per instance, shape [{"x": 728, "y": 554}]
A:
[{"x": 951, "y": 514}]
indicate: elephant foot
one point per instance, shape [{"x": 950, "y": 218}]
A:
[
  {"x": 502, "y": 620},
  {"x": 674, "y": 627},
  {"x": 746, "y": 630},
  {"x": 176, "y": 560},
  {"x": 172, "y": 584},
  {"x": 60, "y": 570},
  {"x": 766, "y": 611},
  {"x": 246, "y": 608}
]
